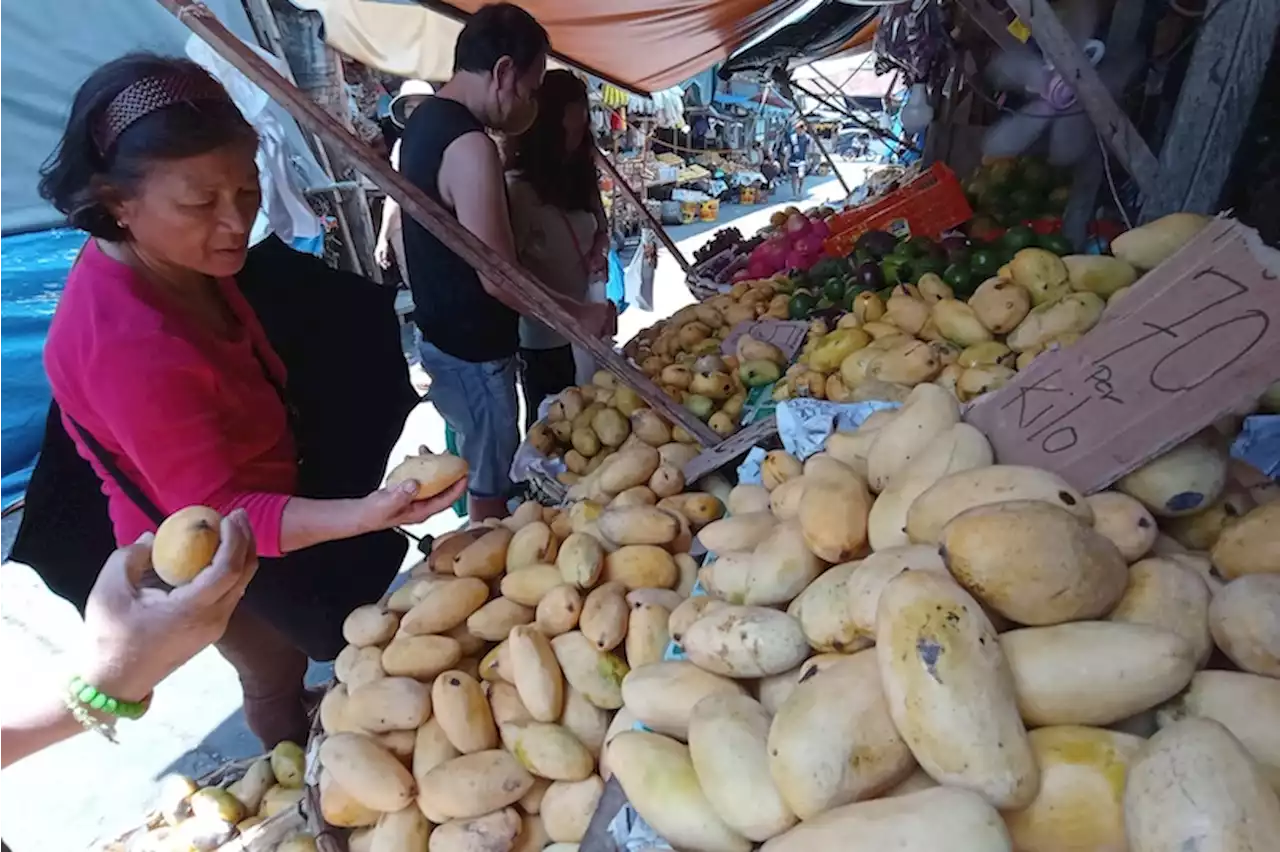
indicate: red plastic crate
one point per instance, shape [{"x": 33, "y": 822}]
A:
[{"x": 928, "y": 206}]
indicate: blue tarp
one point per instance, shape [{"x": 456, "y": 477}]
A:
[{"x": 33, "y": 269}]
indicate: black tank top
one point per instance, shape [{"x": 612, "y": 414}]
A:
[{"x": 451, "y": 308}]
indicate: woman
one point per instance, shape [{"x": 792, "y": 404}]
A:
[
  {"x": 135, "y": 637},
  {"x": 390, "y": 234},
  {"x": 169, "y": 387},
  {"x": 558, "y": 221}
]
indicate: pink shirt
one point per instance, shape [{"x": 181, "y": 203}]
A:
[{"x": 190, "y": 418}]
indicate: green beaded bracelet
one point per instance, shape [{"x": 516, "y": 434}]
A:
[{"x": 88, "y": 696}]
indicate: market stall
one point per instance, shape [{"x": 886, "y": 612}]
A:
[{"x": 999, "y": 562}]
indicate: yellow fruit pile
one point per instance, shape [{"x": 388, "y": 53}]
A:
[
  {"x": 473, "y": 705},
  {"x": 194, "y": 817},
  {"x": 587, "y": 425},
  {"x": 697, "y": 330},
  {"x": 994, "y": 661},
  {"x": 922, "y": 333},
  {"x": 901, "y": 645}
]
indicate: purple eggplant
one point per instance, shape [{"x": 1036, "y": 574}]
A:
[{"x": 869, "y": 275}]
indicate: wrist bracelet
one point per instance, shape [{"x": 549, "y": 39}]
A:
[
  {"x": 88, "y": 696},
  {"x": 88, "y": 721}
]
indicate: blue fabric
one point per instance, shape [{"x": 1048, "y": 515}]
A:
[
  {"x": 310, "y": 245},
  {"x": 478, "y": 400},
  {"x": 1259, "y": 443},
  {"x": 33, "y": 270},
  {"x": 616, "y": 289}
]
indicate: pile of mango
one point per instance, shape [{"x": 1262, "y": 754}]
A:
[
  {"x": 191, "y": 817},
  {"x": 473, "y": 703},
  {"x": 899, "y": 644}
]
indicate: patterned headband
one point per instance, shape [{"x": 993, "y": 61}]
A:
[{"x": 143, "y": 97}]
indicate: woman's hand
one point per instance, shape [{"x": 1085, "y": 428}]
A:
[
  {"x": 599, "y": 254},
  {"x": 382, "y": 252},
  {"x": 396, "y": 507},
  {"x": 138, "y": 635}
]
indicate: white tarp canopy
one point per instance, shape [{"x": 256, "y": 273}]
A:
[
  {"x": 852, "y": 73},
  {"x": 47, "y": 49},
  {"x": 406, "y": 40}
]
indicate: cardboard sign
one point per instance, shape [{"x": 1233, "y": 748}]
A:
[
  {"x": 787, "y": 335},
  {"x": 1194, "y": 338}
]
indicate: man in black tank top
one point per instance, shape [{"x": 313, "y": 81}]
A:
[{"x": 470, "y": 331}]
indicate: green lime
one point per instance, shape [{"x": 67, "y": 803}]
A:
[
  {"x": 801, "y": 305},
  {"x": 961, "y": 279},
  {"x": 897, "y": 270},
  {"x": 1017, "y": 237},
  {"x": 833, "y": 289},
  {"x": 928, "y": 263},
  {"x": 1056, "y": 243},
  {"x": 1058, "y": 199},
  {"x": 983, "y": 263},
  {"x": 1035, "y": 174},
  {"x": 917, "y": 247},
  {"x": 1025, "y": 203}
]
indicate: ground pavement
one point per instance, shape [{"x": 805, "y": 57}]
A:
[{"x": 87, "y": 788}]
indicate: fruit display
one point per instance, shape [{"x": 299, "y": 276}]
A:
[
  {"x": 721, "y": 240},
  {"x": 1007, "y": 191},
  {"x": 258, "y": 810},
  {"x": 898, "y": 643},
  {"x": 588, "y": 424},
  {"x": 976, "y": 341},
  {"x": 473, "y": 703},
  {"x": 792, "y": 243},
  {"x": 684, "y": 355}
]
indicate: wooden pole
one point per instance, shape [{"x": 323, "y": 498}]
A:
[
  {"x": 532, "y": 298},
  {"x": 634, "y": 198},
  {"x": 1227, "y": 67}
]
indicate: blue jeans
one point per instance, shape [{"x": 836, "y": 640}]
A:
[{"x": 478, "y": 401}]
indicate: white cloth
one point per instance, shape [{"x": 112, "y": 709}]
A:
[
  {"x": 284, "y": 211},
  {"x": 638, "y": 277}
]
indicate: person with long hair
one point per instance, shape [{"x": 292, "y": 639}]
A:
[
  {"x": 558, "y": 221},
  {"x": 170, "y": 388}
]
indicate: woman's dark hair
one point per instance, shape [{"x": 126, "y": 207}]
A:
[
  {"x": 75, "y": 173},
  {"x": 498, "y": 30},
  {"x": 564, "y": 179}
]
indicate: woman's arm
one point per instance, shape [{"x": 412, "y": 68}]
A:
[
  {"x": 390, "y": 221},
  {"x": 163, "y": 412},
  {"x": 306, "y": 522},
  {"x": 136, "y": 637}
]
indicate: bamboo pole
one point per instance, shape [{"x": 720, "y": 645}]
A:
[
  {"x": 530, "y": 295},
  {"x": 634, "y": 198}
]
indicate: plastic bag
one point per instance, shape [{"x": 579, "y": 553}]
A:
[
  {"x": 639, "y": 274},
  {"x": 283, "y": 170}
]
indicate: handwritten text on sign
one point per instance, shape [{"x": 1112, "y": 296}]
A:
[{"x": 1192, "y": 339}]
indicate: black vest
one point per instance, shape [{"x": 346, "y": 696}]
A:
[{"x": 451, "y": 307}]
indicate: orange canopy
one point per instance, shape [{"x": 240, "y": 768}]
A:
[{"x": 647, "y": 45}]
